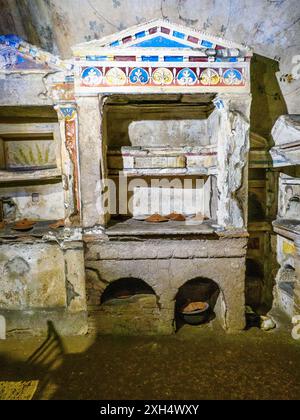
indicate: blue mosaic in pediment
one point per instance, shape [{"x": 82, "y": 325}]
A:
[{"x": 161, "y": 42}]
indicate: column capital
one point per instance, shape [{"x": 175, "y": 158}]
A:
[{"x": 66, "y": 111}]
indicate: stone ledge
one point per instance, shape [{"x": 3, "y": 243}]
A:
[
  {"x": 35, "y": 322},
  {"x": 159, "y": 249}
]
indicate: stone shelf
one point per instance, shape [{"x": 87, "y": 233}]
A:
[
  {"x": 40, "y": 229},
  {"x": 30, "y": 176},
  {"x": 168, "y": 161},
  {"x": 287, "y": 228},
  {"x": 162, "y": 172},
  {"x": 41, "y": 233},
  {"x": 286, "y": 135},
  {"x": 132, "y": 227}
]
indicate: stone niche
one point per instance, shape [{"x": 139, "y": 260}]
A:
[
  {"x": 30, "y": 169},
  {"x": 166, "y": 138}
]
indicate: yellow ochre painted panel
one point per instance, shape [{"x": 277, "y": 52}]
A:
[{"x": 288, "y": 248}]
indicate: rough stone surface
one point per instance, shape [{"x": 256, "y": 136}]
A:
[
  {"x": 35, "y": 322},
  {"x": 42, "y": 281},
  {"x": 163, "y": 249},
  {"x": 234, "y": 144},
  {"x": 32, "y": 277},
  {"x": 139, "y": 314},
  {"x": 91, "y": 165},
  {"x": 23, "y": 90}
]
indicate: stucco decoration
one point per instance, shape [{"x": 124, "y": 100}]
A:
[{"x": 161, "y": 56}]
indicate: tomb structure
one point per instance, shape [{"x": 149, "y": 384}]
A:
[{"x": 154, "y": 119}]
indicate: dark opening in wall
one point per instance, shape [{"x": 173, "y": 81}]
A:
[
  {"x": 126, "y": 288},
  {"x": 254, "y": 283},
  {"x": 198, "y": 290},
  {"x": 256, "y": 210}
]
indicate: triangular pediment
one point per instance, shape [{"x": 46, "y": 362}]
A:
[
  {"x": 17, "y": 55},
  {"x": 162, "y": 34}
]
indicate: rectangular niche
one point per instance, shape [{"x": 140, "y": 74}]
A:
[
  {"x": 156, "y": 122},
  {"x": 29, "y": 153},
  {"x": 154, "y": 137},
  {"x": 26, "y": 147}
]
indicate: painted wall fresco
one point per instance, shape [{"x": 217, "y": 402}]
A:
[{"x": 30, "y": 154}]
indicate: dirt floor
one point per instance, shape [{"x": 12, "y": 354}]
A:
[{"x": 196, "y": 363}]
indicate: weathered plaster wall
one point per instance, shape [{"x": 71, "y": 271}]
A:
[
  {"x": 271, "y": 27},
  {"x": 36, "y": 202}
]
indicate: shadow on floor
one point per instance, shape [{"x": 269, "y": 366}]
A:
[{"x": 196, "y": 364}]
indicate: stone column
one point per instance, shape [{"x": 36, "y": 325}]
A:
[
  {"x": 90, "y": 110},
  {"x": 297, "y": 285},
  {"x": 232, "y": 132},
  {"x": 67, "y": 116},
  {"x": 234, "y": 297}
]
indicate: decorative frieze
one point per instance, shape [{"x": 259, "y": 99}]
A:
[{"x": 148, "y": 77}]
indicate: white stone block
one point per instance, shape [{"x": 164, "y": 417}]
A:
[
  {"x": 158, "y": 162},
  {"x": 286, "y": 129},
  {"x": 168, "y": 132},
  {"x": 147, "y": 201}
]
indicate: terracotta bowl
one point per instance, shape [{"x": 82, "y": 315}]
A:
[
  {"x": 156, "y": 218},
  {"x": 176, "y": 217},
  {"x": 195, "y": 313},
  {"x": 23, "y": 225}
]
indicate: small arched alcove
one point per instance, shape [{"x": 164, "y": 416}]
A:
[
  {"x": 192, "y": 293},
  {"x": 128, "y": 306},
  {"x": 126, "y": 288}
]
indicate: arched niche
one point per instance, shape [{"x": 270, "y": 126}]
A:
[{"x": 199, "y": 290}]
